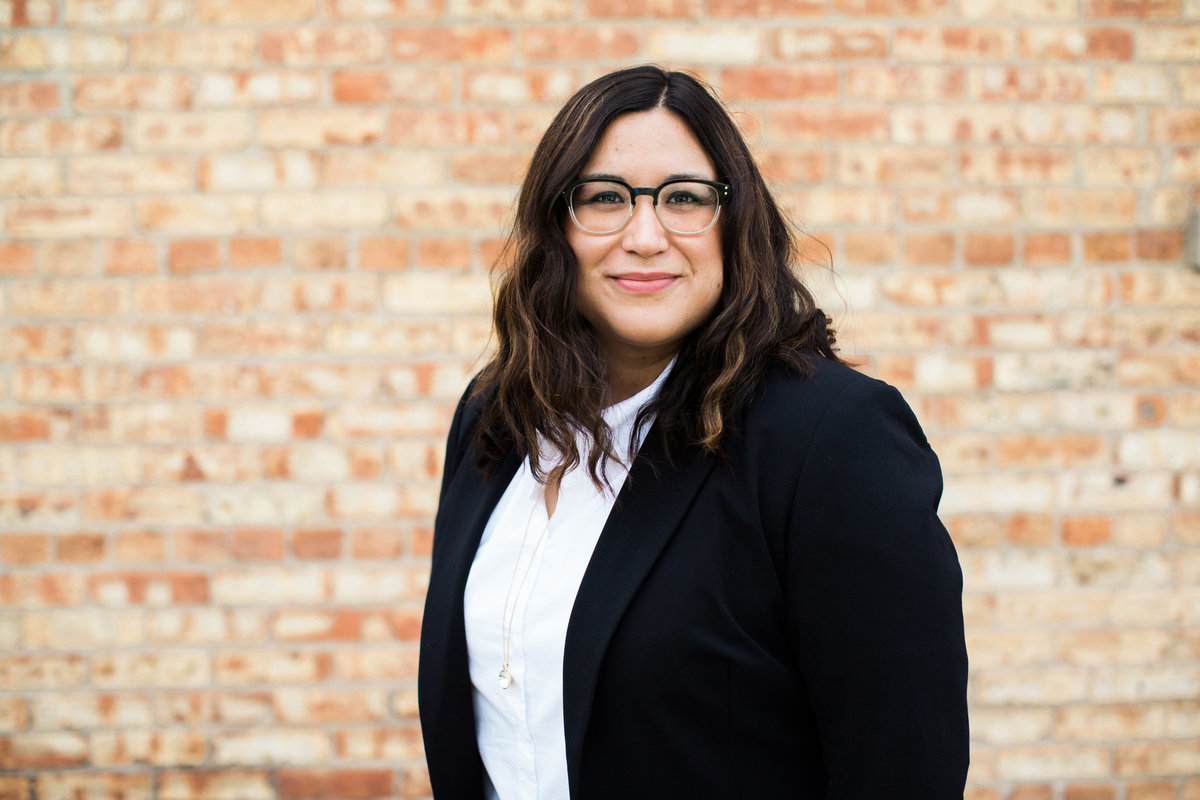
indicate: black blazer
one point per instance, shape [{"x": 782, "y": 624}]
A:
[{"x": 787, "y": 624}]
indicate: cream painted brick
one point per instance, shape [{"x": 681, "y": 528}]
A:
[
  {"x": 74, "y": 711},
  {"x": 373, "y": 585},
  {"x": 392, "y": 664},
  {"x": 271, "y": 746},
  {"x": 1044, "y": 762},
  {"x": 1093, "y": 491},
  {"x": 1133, "y": 83},
  {"x": 29, "y": 177},
  {"x": 1020, "y": 9},
  {"x": 309, "y": 211},
  {"x": 1011, "y": 725},
  {"x": 262, "y": 424},
  {"x": 429, "y": 294},
  {"x": 318, "y": 462},
  {"x": 698, "y": 44},
  {"x": 63, "y": 465},
  {"x": 251, "y": 172},
  {"x": 1050, "y": 371},
  {"x": 83, "y": 629},
  {"x": 257, "y": 88},
  {"x": 1051, "y": 686},
  {"x": 262, "y": 505},
  {"x": 1002, "y": 492},
  {"x": 163, "y": 669},
  {"x": 268, "y": 586},
  {"x": 1140, "y": 684},
  {"x": 301, "y": 706},
  {"x": 1159, "y": 449},
  {"x": 198, "y": 214}
]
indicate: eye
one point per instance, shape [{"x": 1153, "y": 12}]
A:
[
  {"x": 683, "y": 197},
  {"x": 604, "y": 198}
]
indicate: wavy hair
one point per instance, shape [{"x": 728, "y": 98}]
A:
[{"x": 548, "y": 376}]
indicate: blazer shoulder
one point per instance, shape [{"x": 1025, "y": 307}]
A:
[{"x": 785, "y": 393}]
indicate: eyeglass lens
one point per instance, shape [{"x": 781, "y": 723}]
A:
[{"x": 681, "y": 206}]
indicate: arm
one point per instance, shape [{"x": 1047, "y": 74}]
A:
[{"x": 875, "y": 604}]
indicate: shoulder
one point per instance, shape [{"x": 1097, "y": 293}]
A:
[{"x": 831, "y": 392}]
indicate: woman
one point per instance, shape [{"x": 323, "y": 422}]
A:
[{"x": 682, "y": 550}]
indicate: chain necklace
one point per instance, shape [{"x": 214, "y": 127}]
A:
[{"x": 506, "y": 615}]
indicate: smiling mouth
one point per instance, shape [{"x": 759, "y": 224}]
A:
[{"x": 645, "y": 282}]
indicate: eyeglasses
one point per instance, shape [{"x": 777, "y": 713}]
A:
[{"x": 683, "y": 206}]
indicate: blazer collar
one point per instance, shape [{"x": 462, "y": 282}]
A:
[
  {"x": 649, "y": 508},
  {"x": 652, "y": 502}
]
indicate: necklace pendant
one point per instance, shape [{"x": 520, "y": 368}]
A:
[{"x": 505, "y": 678}]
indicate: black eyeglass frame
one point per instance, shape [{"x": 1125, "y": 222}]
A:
[{"x": 723, "y": 192}]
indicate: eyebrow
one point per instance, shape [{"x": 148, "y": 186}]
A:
[{"x": 608, "y": 176}]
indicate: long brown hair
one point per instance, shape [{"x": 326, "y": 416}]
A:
[{"x": 548, "y": 376}]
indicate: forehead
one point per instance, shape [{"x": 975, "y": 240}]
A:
[{"x": 649, "y": 146}]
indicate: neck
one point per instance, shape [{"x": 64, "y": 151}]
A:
[{"x": 630, "y": 373}]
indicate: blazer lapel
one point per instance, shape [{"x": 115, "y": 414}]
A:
[
  {"x": 444, "y": 675},
  {"x": 649, "y": 508}
]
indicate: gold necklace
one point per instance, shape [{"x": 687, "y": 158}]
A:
[{"x": 506, "y": 616}]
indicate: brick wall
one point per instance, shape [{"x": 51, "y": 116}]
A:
[{"x": 243, "y": 278}]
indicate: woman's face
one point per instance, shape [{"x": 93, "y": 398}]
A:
[{"x": 643, "y": 288}]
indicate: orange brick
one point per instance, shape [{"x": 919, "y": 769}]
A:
[
  {"x": 24, "y": 548},
  {"x": 27, "y": 98},
  {"x": 396, "y": 85},
  {"x": 194, "y": 255},
  {"x": 1131, "y": 8},
  {"x": 130, "y": 257},
  {"x": 317, "y": 543},
  {"x": 247, "y": 252},
  {"x": 383, "y": 253},
  {"x": 988, "y": 248},
  {"x": 344, "y": 784},
  {"x": 758, "y": 83},
  {"x": 829, "y": 124},
  {"x": 16, "y": 258},
  {"x": 258, "y": 544},
  {"x": 232, "y": 11}
]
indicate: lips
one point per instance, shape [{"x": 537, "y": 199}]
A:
[{"x": 645, "y": 282}]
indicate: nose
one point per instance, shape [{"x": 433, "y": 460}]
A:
[{"x": 644, "y": 234}]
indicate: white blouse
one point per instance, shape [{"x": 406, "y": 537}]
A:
[{"x": 537, "y": 564}]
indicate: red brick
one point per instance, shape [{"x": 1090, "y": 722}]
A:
[
  {"x": 402, "y": 85},
  {"x": 130, "y": 257},
  {"x": 248, "y": 252},
  {"x": 1131, "y": 8},
  {"x": 1047, "y": 248},
  {"x": 82, "y": 547},
  {"x": 830, "y": 124},
  {"x": 28, "y": 98},
  {"x": 258, "y": 544},
  {"x": 16, "y": 258},
  {"x": 342, "y": 784},
  {"x": 194, "y": 255},
  {"x": 1103, "y": 247},
  {"x": 928, "y": 248},
  {"x": 24, "y": 548},
  {"x": 758, "y": 83},
  {"x": 989, "y": 249}
]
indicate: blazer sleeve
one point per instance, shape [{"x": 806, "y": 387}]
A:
[{"x": 875, "y": 603}]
